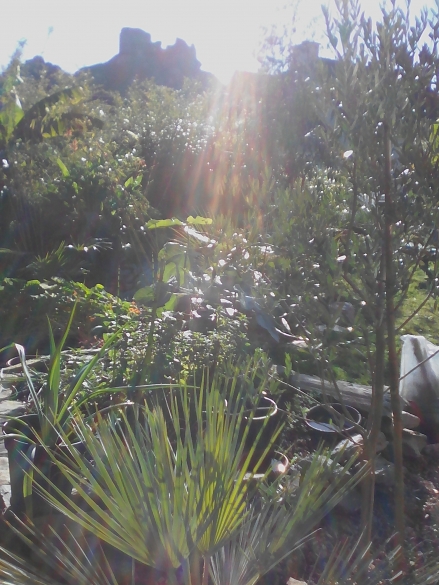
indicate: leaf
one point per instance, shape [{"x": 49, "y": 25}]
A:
[
  {"x": 144, "y": 295},
  {"x": 197, "y": 236},
  {"x": 170, "y": 305},
  {"x": 62, "y": 166},
  {"x": 162, "y": 293},
  {"x": 165, "y": 494},
  {"x": 10, "y": 116},
  {"x": 153, "y": 224},
  {"x": 171, "y": 251},
  {"x": 170, "y": 271},
  {"x": 157, "y": 294},
  {"x": 198, "y": 220},
  {"x": 268, "y": 323}
]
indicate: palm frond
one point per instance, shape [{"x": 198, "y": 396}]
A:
[
  {"x": 275, "y": 529},
  {"x": 160, "y": 500},
  {"x": 68, "y": 558}
]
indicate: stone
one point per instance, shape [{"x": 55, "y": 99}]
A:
[
  {"x": 325, "y": 463},
  {"x": 4, "y": 471},
  {"x": 409, "y": 420},
  {"x": 384, "y": 472},
  {"x": 413, "y": 443},
  {"x": 432, "y": 450},
  {"x": 354, "y": 445},
  {"x": 351, "y": 502},
  {"x": 10, "y": 408},
  {"x": 5, "y": 493}
]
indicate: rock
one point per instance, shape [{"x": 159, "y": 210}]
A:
[
  {"x": 354, "y": 445},
  {"x": 140, "y": 58},
  {"x": 351, "y": 502},
  {"x": 10, "y": 408},
  {"x": 384, "y": 472},
  {"x": 432, "y": 450},
  {"x": 135, "y": 41},
  {"x": 325, "y": 463},
  {"x": 5, "y": 492},
  {"x": 348, "y": 448},
  {"x": 409, "y": 420},
  {"x": 413, "y": 443},
  {"x": 292, "y": 581},
  {"x": 4, "y": 471},
  {"x": 330, "y": 473}
]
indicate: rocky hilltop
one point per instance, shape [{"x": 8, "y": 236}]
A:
[{"x": 140, "y": 58}]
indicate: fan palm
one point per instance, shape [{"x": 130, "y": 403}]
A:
[{"x": 173, "y": 492}]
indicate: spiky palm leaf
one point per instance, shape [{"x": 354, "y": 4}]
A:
[
  {"x": 165, "y": 502},
  {"x": 275, "y": 529},
  {"x": 169, "y": 487},
  {"x": 66, "y": 560}
]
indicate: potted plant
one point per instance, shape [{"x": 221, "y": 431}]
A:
[{"x": 32, "y": 439}]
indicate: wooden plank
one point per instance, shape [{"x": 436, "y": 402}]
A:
[{"x": 356, "y": 395}]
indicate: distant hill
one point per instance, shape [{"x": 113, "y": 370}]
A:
[{"x": 140, "y": 58}]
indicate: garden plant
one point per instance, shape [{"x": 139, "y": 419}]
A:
[{"x": 195, "y": 248}]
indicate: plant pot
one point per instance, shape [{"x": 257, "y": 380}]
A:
[
  {"x": 265, "y": 421},
  {"x": 47, "y": 475},
  {"x": 321, "y": 420},
  {"x": 275, "y": 463},
  {"x": 37, "y": 363}
]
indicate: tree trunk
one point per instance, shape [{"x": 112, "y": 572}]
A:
[
  {"x": 391, "y": 341},
  {"x": 375, "y": 414}
]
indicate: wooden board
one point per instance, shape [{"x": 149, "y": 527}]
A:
[{"x": 356, "y": 395}]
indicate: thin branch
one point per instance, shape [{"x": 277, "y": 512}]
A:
[
  {"x": 419, "y": 365},
  {"x": 415, "y": 312}
]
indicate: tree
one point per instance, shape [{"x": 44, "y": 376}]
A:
[{"x": 376, "y": 106}]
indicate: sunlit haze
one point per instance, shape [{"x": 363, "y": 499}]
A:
[{"x": 227, "y": 34}]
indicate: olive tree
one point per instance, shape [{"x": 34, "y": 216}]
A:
[{"x": 362, "y": 218}]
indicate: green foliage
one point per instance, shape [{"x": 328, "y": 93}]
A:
[
  {"x": 173, "y": 486},
  {"x": 105, "y": 160},
  {"x": 53, "y": 402},
  {"x": 25, "y": 306},
  {"x": 297, "y": 164}
]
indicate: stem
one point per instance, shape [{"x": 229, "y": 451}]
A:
[
  {"x": 205, "y": 571},
  {"x": 391, "y": 344},
  {"x": 412, "y": 274},
  {"x": 375, "y": 415},
  {"x": 416, "y": 311}
]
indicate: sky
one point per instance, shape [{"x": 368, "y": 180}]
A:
[{"x": 227, "y": 34}]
